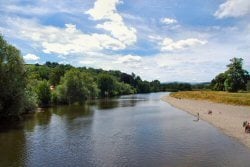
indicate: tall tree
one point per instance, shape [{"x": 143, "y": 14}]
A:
[
  {"x": 218, "y": 82},
  {"x": 76, "y": 86},
  {"x": 107, "y": 85},
  {"x": 43, "y": 93},
  {"x": 236, "y": 76},
  {"x": 12, "y": 80},
  {"x": 232, "y": 80},
  {"x": 56, "y": 74}
]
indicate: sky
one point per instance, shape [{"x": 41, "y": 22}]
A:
[{"x": 168, "y": 40}]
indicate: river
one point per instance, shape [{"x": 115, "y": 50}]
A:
[{"x": 133, "y": 130}]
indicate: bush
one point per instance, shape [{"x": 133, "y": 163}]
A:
[
  {"x": 30, "y": 101},
  {"x": 12, "y": 81},
  {"x": 43, "y": 93}
]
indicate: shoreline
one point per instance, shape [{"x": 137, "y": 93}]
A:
[{"x": 227, "y": 118}]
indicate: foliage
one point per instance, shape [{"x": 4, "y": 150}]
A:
[
  {"x": 236, "y": 76},
  {"x": 248, "y": 85},
  {"x": 107, "y": 85},
  {"x": 125, "y": 89},
  {"x": 155, "y": 86},
  {"x": 143, "y": 86},
  {"x": 232, "y": 80},
  {"x": 76, "y": 86},
  {"x": 12, "y": 80},
  {"x": 30, "y": 100},
  {"x": 201, "y": 86},
  {"x": 176, "y": 86},
  {"x": 218, "y": 83},
  {"x": 43, "y": 93},
  {"x": 55, "y": 75},
  {"x": 31, "y": 83}
]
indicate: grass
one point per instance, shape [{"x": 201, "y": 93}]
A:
[{"x": 215, "y": 96}]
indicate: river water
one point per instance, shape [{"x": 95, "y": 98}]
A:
[{"x": 133, "y": 130}]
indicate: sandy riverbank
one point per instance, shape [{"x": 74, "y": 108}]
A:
[{"x": 228, "y": 118}]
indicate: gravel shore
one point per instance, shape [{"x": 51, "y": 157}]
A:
[{"x": 228, "y": 118}]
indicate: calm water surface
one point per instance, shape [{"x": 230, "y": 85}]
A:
[{"x": 134, "y": 130}]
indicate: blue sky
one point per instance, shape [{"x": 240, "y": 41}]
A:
[{"x": 169, "y": 40}]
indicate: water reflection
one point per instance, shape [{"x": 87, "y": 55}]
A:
[
  {"x": 104, "y": 104},
  {"x": 72, "y": 111},
  {"x": 12, "y": 148}
]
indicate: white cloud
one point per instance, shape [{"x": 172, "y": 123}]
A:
[
  {"x": 31, "y": 57},
  {"x": 168, "y": 21},
  {"x": 65, "y": 41},
  {"x": 129, "y": 59},
  {"x": 71, "y": 40},
  {"x": 169, "y": 44},
  {"x": 233, "y": 8},
  {"x": 86, "y": 62},
  {"x": 155, "y": 38},
  {"x": 113, "y": 22}
]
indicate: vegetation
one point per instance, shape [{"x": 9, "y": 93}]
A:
[
  {"x": 43, "y": 93},
  {"x": 12, "y": 81},
  {"x": 76, "y": 86},
  {"x": 248, "y": 86},
  {"x": 175, "y": 87},
  {"x": 25, "y": 87},
  {"x": 215, "y": 96},
  {"x": 232, "y": 80}
]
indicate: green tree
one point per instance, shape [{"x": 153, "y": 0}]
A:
[
  {"x": 248, "y": 85},
  {"x": 107, "y": 85},
  {"x": 43, "y": 93},
  {"x": 236, "y": 76},
  {"x": 55, "y": 75},
  {"x": 12, "y": 80},
  {"x": 125, "y": 89},
  {"x": 232, "y": 80},
  {"x": 218, "y": 82},
  {"x": 30, "y": 100},
  {"x": 76, "y": 86},
  {"x": 143, "y": 87},
  {"x": 155, "y": 86}
]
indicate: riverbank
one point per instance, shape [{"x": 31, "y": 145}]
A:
[{"x": 228, "y": 118}]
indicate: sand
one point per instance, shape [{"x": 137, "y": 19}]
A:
[{"x": 228, "y": 118}]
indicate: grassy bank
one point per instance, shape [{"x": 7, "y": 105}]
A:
[{"x": 214, "y": 96}]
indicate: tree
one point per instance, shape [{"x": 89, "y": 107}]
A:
[
  {"x": 107, "y": 85},
  {"x": 218, "y": 83},
  {"x": 12, "y": 80},
  {"x": 143, "y": 87},
  {"x": 248, "y": 85},
  {"x": 55, "y": 75},
  {"x": 125, "y": 89},
  {"x": 43, "y": 93},
  {"x": 155, "y": 86},
  {"x": 232, "y": 80},
  {"x": 76, "y": 86},
  {"x": 236, "y": 76}
]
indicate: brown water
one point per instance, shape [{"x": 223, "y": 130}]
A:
[{"x": 134, "y": 130}]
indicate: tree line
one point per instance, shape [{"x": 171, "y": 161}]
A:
[
  {"x": 69, "y": 84},
  {"x": 23, "y": 87}
]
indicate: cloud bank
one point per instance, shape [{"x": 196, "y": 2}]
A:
[{"x": 233, "y": 8}]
